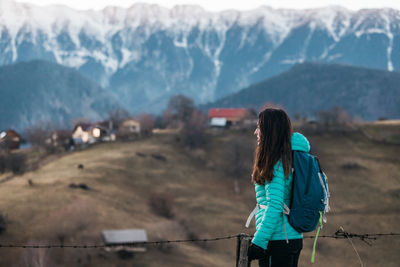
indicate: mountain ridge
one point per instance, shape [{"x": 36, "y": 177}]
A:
[
  {"x": 147, "y": 53},
  {"x": 311, "y": 87}
]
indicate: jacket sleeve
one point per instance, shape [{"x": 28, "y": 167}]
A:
[{"x": 272, "y": 218}]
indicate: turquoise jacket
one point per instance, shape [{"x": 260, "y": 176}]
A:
[{"x": 270, "y": 222}]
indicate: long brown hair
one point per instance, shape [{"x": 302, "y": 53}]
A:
[{"x": 275, "y": 131}]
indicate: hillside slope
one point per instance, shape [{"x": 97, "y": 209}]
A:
[
  {"x": 364, "y": 199},
  {"x": 310, "y": 87}
]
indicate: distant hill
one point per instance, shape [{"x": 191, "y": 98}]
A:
[
  {"x": 43, "y": 91},
  {"x": 310, "y": 87}
]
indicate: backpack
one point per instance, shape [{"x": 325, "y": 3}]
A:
[{"x": 310, "y": 195}]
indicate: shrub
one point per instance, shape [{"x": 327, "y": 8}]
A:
[
  {"x": 3, "y": 224},
  {"x": 80, "y": 186},
  {"x": 17, "y": 163},
  {"x": 352, "y": 166},
  {"x": 159, "y": 157},
  {"x": 140, "y": 154},
  {"x": 3, "y": 163},
  {"x": 162, "y": 204}
]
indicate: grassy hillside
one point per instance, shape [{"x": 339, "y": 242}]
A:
[{"x": 363, "y": 177}]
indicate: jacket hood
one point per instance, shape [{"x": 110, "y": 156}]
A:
[{"x": 300, "y": 142}]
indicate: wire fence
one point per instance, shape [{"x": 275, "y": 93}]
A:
[{"x": 339, "y": 234}]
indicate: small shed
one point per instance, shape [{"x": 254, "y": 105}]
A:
[
  {"x": 225, "y": 117},
  {"x": 9, "y": 139},
  {"x": 126, "y": 239}
]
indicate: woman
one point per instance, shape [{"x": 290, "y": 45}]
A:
[{"x": 276, "y": 243}]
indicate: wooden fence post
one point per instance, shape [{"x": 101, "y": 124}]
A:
[
  {"x": 242, "y": 247},
  {"x": 239, "y": 238}
]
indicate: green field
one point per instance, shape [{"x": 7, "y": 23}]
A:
[{"x": 364, "y": 180}]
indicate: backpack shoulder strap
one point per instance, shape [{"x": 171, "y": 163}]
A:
[{"x": 319, "y": 164}]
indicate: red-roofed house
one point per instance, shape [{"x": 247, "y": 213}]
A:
[{"x": 226, "y": 116}]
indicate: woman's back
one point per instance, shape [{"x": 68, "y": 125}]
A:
[
  {"x": 275, "y": 243},
  {"x": 274, "y": 229}
]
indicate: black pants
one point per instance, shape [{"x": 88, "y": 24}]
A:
[{"x": 282, "y": 254}]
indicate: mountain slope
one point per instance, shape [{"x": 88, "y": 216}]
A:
[
  {"x": 146, "y": 53},
  {"x": 310, "y": 87},
  {"x": 43, "y": 91}
]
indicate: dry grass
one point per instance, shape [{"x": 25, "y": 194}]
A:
[
  {"x": 384, "y": 131},
  {"x": 363, "y": 200},
  {"x": 388, "y": 122}
]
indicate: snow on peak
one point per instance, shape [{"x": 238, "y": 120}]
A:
[{"x": 102, "y": 25}]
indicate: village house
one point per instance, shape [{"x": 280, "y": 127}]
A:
[
  {"x": 129, "y": 128},
  {"x": 226, "y": 117},
  {"x": 109, "y": 128},
  {"x": 87, "y": 133},
  {"x": 10, "y": 139}
]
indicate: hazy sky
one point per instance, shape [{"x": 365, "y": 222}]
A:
[{"x": 217, "y": 5}]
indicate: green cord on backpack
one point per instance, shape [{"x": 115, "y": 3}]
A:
[{"x": 316, "y": 237}]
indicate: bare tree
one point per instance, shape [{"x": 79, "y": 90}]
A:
[
  {"x": 337, "y": 117},
  {"x": 193, "y": 133},
  {"x": 38, "y": 133},
  {"x": 168, "y": 119},
  {"x": 181, "y": 107},
  {"x": 146, "y": 123}
]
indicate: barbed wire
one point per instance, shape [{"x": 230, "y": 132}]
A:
[
  {"x": 354, "y": 247},
  {"x": 339, "y": 234}
]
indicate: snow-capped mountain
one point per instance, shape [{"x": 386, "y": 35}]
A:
[{"x": 147, "y": 53}]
